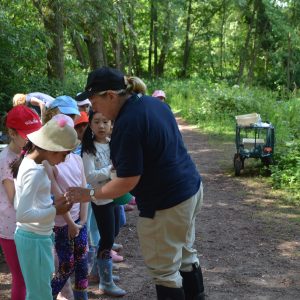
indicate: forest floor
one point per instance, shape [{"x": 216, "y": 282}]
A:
[{"x": 248, "y": 243}]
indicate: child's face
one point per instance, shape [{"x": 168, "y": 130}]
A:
[
  {"x": 85, "y": 107},
  {"x": 54, "y": 158},
  {"x": 16, "y": 138},
  {"x": 101, "y": 127}
]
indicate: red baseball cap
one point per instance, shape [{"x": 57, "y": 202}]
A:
[
  {"x": 23, "y": 119},
  {"x": 82, "y": 119}
]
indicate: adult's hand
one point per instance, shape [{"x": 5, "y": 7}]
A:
[
  {"x": 78, "y": 194},
  {"x": 62, "y": 205}
]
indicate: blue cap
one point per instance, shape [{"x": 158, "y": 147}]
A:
[{"x": 66, "y": 104}]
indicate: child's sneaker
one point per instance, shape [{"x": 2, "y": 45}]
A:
[
  {"x": 129, "y": 207},
  {"x": 132, "y": 201},
  {"x": 115, "y": 257}
]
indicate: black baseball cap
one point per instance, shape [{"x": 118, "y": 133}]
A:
[{"x": 102, "y": 79}]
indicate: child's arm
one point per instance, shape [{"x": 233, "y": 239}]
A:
[
  {"x": 6, "y": 178},
  {"x": 37, "y": 102},
  {"x": 55, "y": 189},
  {"x": 73, "y": 228},
  {"x": 9, "y": 187},
  {"x": 57, "y": 192},
  {"x": 83, "y": 206},
  {"x": 83, "y": 212}
]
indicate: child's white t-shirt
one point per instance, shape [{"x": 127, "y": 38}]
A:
[{"x": 35, "y": 212}]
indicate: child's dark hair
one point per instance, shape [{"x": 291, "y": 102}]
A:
[
  {"x": 15, "y": 165},
  {"x": 87, "y": 143}
]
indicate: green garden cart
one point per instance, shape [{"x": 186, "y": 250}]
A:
[{"x": 254, "y": 139}]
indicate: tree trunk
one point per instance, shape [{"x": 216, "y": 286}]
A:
[
  {"x": 94, "y": 43},
  {"x": 155, "y": 37},
  {"x": 261, "y": 24},
  {"x": 119, "y": 64},
  {"x": 244, "y": 51},
  {"x": 288, "y": 64},
  {"x": 222, "y": 37},
  {"x": 186, "y": 52},
  {"x": 166, "y": 37},
  {"x": 132, "y": 39},
  {"x": 79, "y": 51},
  {"x": 151, "y": 38},
  {"x": 53, "y": 21}
]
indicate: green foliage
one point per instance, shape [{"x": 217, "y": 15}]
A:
[
  {"x": 253, "y": 42},
  {"x": 212, "y": 106},
  {"x": 286, "y": 172}
]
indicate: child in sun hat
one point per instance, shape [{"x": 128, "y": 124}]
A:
[
  {"x": 70, "y": 229},
  {"x": 63, "y": 105},
  {"x": 19, "y": 122},
  {"x": 35, "y": 210}
]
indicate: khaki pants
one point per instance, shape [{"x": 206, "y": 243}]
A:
[{"x": 167, "y": 240}]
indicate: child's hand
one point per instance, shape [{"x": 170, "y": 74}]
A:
[
  {"x": 82, "y": 222},
  {"x": 73, "y": 230},
  {"x": 62, "y": 205}
]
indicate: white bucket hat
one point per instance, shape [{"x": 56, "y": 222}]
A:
[{"x": 56, "y": 135}]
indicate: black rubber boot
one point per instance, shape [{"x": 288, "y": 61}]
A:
[
  {"x": 167, "y": 293},
  {"x": 193, "y": 284}
]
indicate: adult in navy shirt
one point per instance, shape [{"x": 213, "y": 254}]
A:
[{"x": 152, "y": 163}]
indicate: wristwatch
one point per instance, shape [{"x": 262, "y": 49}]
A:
[{"x": 92, "y": 194}]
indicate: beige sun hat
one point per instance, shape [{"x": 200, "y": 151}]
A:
[{"x": 56, "y": 135}]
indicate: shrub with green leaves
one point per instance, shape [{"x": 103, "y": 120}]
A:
[{"x": 213, "y": 106}]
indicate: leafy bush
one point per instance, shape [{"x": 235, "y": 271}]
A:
[
  {"x": 286, "y": 172},
  {"x": 212, "y": 106}
]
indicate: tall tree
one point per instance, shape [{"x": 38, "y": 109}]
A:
[
  {"x": 52, "y": 16},
  {"x": 187, "y": 43}
]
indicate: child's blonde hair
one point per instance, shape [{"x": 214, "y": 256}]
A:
[{"x": 19, "y": 99}]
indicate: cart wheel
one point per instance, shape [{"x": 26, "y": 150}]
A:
[{"x": 238, "y": 164}]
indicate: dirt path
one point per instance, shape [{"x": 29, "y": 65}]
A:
[{"x": 249, "y": 248}]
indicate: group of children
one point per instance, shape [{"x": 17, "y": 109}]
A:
[
  {"x": 37, "y": 167},
  {"x": 66, "y": 146}
]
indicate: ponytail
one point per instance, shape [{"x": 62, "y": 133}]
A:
[
  {"x": 136, "y": 85},
  {"x": 15, "y": 165}
]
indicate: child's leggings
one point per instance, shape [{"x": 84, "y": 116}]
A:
[
  {"x": 107, "y": 217},
  {"x": 37, "y": 264},
  {"x": 18, "y": 290},
  {"x": 72, "y": 256}
]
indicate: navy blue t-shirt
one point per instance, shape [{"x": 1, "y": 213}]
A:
[{"x": 146, "y": 141}]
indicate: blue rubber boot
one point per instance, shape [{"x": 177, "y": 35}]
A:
[
  {"x": 107, "y": 285},
  {"x": 80, "y": 295}
]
